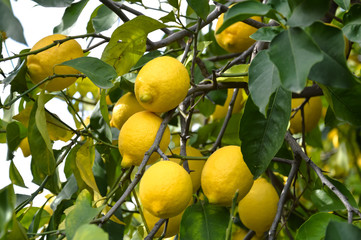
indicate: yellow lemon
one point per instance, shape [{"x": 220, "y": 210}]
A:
[
  {"x": 137, "y": 136},
  {"x": 312, "y": 114},
  {"x": 195, "y": 166},
  {"x": 24, "y": 146},
  {"x": 43, "y": 64},
  {"x": 165, "y": 189},
  {"x": 125, "y": 107},
  {"x": 258, "y": 208},
  {"x": 47, "y": 205},
  {"x": 224, "y": 173},
  {"x": 161, "y": 84},
  {"x": 240, "y": 233},
  {"x": 235, "y": 38},
  {"x": 221, "y": 111}
]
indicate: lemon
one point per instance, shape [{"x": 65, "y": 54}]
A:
[
  {"x": 137, "y": 136},
  {"x": 235, "y": 38},
  {"x": 312, "y": 113},
  {"x": 240, "y": 233},
  {"x": 161, "y": 84},
  {"x": 221, "y": 111},
  {"x": 224, "y": 173},
  {"x": 24, "y": 146},
  {"x": 165, "y": 189},
  {"x": 47, "y": 205},
  {"x": 43, "y": 64},
  {"x": 195, "y": 166},
  {"x": 258, "y": 208},
  {"x": 125, "y": 107},
  {"x": 172, "y": 228}
]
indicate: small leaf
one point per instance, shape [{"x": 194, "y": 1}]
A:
[
  {"x": 315, "y": 227},
  {"x": 203, "y": 221},
  {"x": 201, "y": 7},
  {"x": 281, "y": 6},
  {"x": 66, "y": 192},
  {"x": 289, "y": 51},
  {"x": 266, "y": 34},
  {"x": 342, "y": 230},
  {"x": 101, "y": 19},
  {"x": 128, "y": 43},
  {"x": 263, "y": 80},
  {"x": 168, "y": 18},
  {"x": 12, "y": 138},
  {"x": 17, "y": 77},
  {"x": 10, "y": 24},
  {"x": 308, "y": 11},
  {"x": 345, "y": 4},
  {"x": 262, "y": 137},
  {"x": 7, "y": 205},
  {"x": 352, "y": 21},
  {"x": 54, "y": 3},
  {"x": 81, "y": 214},
  {"x": 15, "y": 176},
  {"x": 99, "y": 72},
  {"x": 70, "y": 16},
  {"x": 99, "y": 120},
  {"x": 90, "y": 231}
]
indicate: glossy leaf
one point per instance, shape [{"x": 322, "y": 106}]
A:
[
  {"x": 281, "y": 6},
  {"x": 70, "y": 16},
  {"x": 203, "y": 221},
  {"x": 294, "y": 53},
  {"x": 201, "y": 7},
  {"x": 266, "y": 34},
  {"x": 308, "y": 11},
  {"x": 345, "y": 4},
  {"x": 7, "y": 205},
  {"x": 352, "y": 21},
  {"x": 315, "y": 227},
  {"x": 66, "y": 192},
  {"x": 12, "y": 138},
  {"x": 99, "y": 72},
  {"x": 101, "y": 19},
  {"x": 54, "y": 3},
  {"x": 332, "y": 70},
  {"x": 10, "y": 24},
  {"x": 81, "y": 214},
  {"x": 90, "y": 231},
  {"x": 263, "y": 80},
  {"x": 15, "y": 176},
  {"x": 342, "y": 230},
  {"x": 128, "y": 43},
  {"x": 262, "y": 137}
]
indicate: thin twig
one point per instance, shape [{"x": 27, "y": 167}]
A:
[{"x": 155, "y": 229}]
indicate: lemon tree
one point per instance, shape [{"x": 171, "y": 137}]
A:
[{"x": 126, "y": 115}]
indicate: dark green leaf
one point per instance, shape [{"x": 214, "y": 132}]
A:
[
  {"x": 345, "y": 4},
  {"x": 128, "y": 43},
  {"x": 101, "y": 19},
  {"x": 263, "y": 80},
  {"x": 17, "y": 78},
  {"x": 70, "y": 16},
  {"x": 342, "y": 230},
  {"x": 90, "y": 231},
  {"x": 12, "y": 138},
  {"x": 17, "y": 232},
  {"x": 145, "y": 58},
  {"x": 81, "y": 214},
  {"x": 352, "y": 21},
  {"x": 15, "y": 176},
  {"x": 203, "y": 134},
  {"x": 332, "y": 70},
  {"x": 99, "y": 120},
  {"x": 7, "y": 205},
  {"x": 99, "y": 72},
  {"x": 10, "y": 24},
  {"x": 127, "y": 82},
  {"x": 205, "y": 107},
  {"x": 218, "y": 97},
  {"x": 314, "y": 138},
  {"x": 66, "y": 192},
  {"x": 173, "y": 3},
  {"x": 40, "y": 218},
  {"x": 281, "y": 6},
  {"x": 100, "y": 174},
  {"x": 203, "y": 221},
  {"x": 54, "y": 3},
  {"x": 308, "y": 11},
  {"x": 266, "y": 34},
  {"x": 230, "y": 136},
  {"x": 201, "y": 7},
  {"x": 115, "y": 230},
  {"x": 170, "y": 17},
  {"x": 315, "y": 227},
  {"x": 262, "y": 137},
  {"x": 294, "y": 53}
]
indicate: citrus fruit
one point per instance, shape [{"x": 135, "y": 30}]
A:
[
  {"x": 137, "y": 136},
  {"x": 165, "y": 189},
  {"x": 224, "y": 173},
  {"x": 161, "y": 84},
  {"x": 240, "y": 233},
  {"x": 195, "y": 166},
  {"x": 312, "y": 113},
  {"x": 258, "y": 208},
  {"x": 43, "y": 64},
  {"x": 125, "y": 107},
  {"x": 235, "y": 38},
  {"x": 24, "y": 146},
  {"x": 221, "y": 111}
]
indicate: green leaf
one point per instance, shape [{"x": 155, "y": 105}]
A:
[
  {"x": 343, "y": 104},
  {"x": 345, "y": 4},
  {"x": 15, "y": 176},
  {"x": 244, "y": 10},
  {"x": 17, "y": 77},
  {"x": 128, "y": 43},
  {"x": 266, "y": 34},
  {"x": 66, "y": 192},
  {"x": 200, "y": 7},
  {"x": 282, "y": 6},
  {"x": 54, "y": 3},
  {"x": 231, "y": 135},
  {"x": 205, "y": 107},
  {"x": 12, "y": 138},
  {"x": 7, "y": 205},
  {"x": 294, "y": 53},
  {"x": 173, "y": 3},
  {"x": 99, "y": 72},
  {"x": 315, "y": 227},
  {"x": 39, "y": 141},
  {"x": 263, "y": 80},
  {"x": 170, "y": 17},
  {"x": 17, "y": 232},
  {"x": 90, "y": 231},
  {"x": 99, "y": 120},
  {"x": 308, "y": 11},
  {"x": 352, "y": 21},
  {"x": 332, "y": 70},
  {"x": 10, "y": 24},
  {"x": 101, "y": 19},
  {"x": 40, "y": 218},
  {"x": 262, "y": 137},
  {"x": 81, "y": 214},
  {"x": 342, "y": 230},
  {"x": 203, "y": 221},
  {"x": 70, "y": 16}
]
